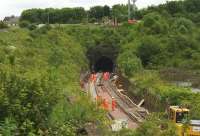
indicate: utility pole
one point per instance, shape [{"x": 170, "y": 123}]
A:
[
  {"x": 131, "y": 8},
  {"x": 134, "y": 7},
  {"x": 48, "y": 17}
]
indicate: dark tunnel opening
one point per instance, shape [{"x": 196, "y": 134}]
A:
[
  {"x": 102, "y": 58},
  {"x": 104, "y": 64}
]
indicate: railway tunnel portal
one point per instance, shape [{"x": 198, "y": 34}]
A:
[{"x": 102, "y": 58}]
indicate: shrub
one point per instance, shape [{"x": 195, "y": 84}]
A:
[
  {"x": 3, "y": 25},
  {"x": 24, "y": 24},
  {"x": 129, "y": 63}
]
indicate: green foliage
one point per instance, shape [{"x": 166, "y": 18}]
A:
[
  {"x": 151, "y": 86},
  {"x": 3, "y": 25},
  {"x": 52, "y": 16},
  {"x": 183, "y": 25},
  {"x": 120, "y": 12},
  {"x": 159, "y": 45},
  {"x": 39, "y": 69},
  {"x": 148, "y": 49},
  {"x": 97, "y": 13},
  {"x": 8, "y": 127},
  {"x": 39, "y": 72},
  {"x": 174, "y": 8},
  {"x": 24, "y": 24},
  {"x": 74, "y": 15},
  {"x": 154, "y": 24},
  {"x": 129, "y": 63},
  {"x": 125, "y": 132},
  {"x": 27, "y": 24},
  {"x": 156, "y": 125}
]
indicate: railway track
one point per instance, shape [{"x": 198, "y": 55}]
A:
[
  {"x": 134, "y": 111},
  {"x": 126, "y": 108},
  {"x": 119, "y": 113}
]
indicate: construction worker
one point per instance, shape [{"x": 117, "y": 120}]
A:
[
  {"x": 81, "y": 84},
  {"x": 98, "y": 100},
  {"x": 93, "y": 77},
  {"x": 106, "y": 76},
  {"x": 114, "y": 104},
  {"x": 105, "y": 104}
]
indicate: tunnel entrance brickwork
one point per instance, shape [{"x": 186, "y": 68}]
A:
[{"x": 102, "y": 58}]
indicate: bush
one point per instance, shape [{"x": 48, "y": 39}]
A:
[
  {"x": 156, "y": 125},
  {"x": 8, "y": 127},
  {"x": 3, "y": 25},
  {"x": 148, "y": 50},
  {"x": 24, "y": 24},
  {"x": 183, "y": 25},
  {"x": 32, "y": 26},
  {"x": 153, "y": 23},
  {"x": 129, "y": 63}
]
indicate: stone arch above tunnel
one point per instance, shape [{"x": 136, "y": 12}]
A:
[{"x": 102, "y": 57}]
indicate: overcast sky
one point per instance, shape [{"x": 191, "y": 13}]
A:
[{"x": 15, "y": 7}]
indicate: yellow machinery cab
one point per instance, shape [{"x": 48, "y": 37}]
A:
[{"x": 179, "y": 116}]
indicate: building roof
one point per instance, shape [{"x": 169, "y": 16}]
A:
[{"x": 11, "y": 20}]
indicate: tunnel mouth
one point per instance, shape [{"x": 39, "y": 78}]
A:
[{"x": 104, "y": 64}]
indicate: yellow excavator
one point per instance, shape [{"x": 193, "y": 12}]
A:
[{"x": 179, "y": 116}]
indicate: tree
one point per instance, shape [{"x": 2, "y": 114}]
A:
[
  {"x": 107, "y": 11},
  {"x": 148, "y": 49},
  {"x": 3, "y": 25},
  {"x": 32, "y": 15},
  {"x": 192, "y": 6},
  {"x": 183, "y": 25},
  {"x": 129, "y": 63},
  {"x": 120, "y": 12},
  {"x": 153, "y": 23},
  {"x": 96, "y": 12},
  {"x": 174, "y": 7}
]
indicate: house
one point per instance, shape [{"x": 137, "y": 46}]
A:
[{"x": 11, "y": 21}]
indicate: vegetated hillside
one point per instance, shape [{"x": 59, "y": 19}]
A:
[
  {"x": 40, "y": 69},
  {"x": 39, "y": 88},
  {"x": 185, "y": 8},
  {"x": 160, "y": 41}
]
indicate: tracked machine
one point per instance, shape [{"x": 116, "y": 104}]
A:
[{"x": 180, "y": 117}]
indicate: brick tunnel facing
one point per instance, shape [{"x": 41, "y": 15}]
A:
[{"x": 102, "y": 57}]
